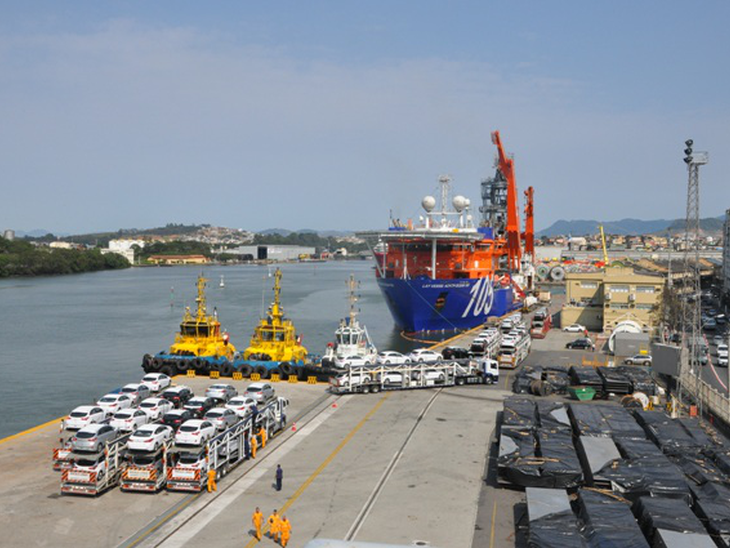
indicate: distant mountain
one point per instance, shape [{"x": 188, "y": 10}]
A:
[
  {"x": 322, "y": 233},
  {"x": 279, "y": 231},
  {"x": 38, "y": 233},
  {"x": 626, "y": 226}
]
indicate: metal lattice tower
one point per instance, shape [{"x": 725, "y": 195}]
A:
[{"x": 692, "y": 302}]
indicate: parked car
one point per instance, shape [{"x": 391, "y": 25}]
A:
[
  {"x": 199, "y": 405},
  {"x": 155, "y": 407},
  {"x": 111, "y": 403},
  {"x": 722, "y": 361},
  {"x": 156, "y": 381},
  {"x": 639, "y": 359},
  {"x": 221, "y": 417},
  {"x": 195, "y": 432},
  {"x": 127, "y": 420},
  {"x": 353, "y": 361},
  {"x": 262, "y": 392},
  {"x": 390, "y": 357},
  {"x": 718, "y": 339},
  {"x": 83, "y": 416},
  {"x": 178, "y": 395},
  {"x": 177, "y": 417},
  {"x": 149, "y": 437},
  {"x": 221, "y": 392},
  {"x": 722, "y": 350},
  {"x": 137, "y": 392},
  {"x": 456, "y": 353},
  {"x": 93, "y": 437},
  {"x": 241, "y": 405},
  {"x": 92, "y": 463},
  {"x": 574, "y": 328},
  {"x": 584, "y": 343},
  {"x": 424, "y": 355}
]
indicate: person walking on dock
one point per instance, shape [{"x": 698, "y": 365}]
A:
[
  {"x": 285, "y": 529},
  {"x": 279, "y": 477},
  {"x": 262, "y": 433},
  {"x": 274, "y": 521},
  {"x": 254, "y": 444},
  {"x": 211, "y": 481},
  {"x": 258, "y": 520}
]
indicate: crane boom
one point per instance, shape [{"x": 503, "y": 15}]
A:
[
  {"x": 506, "y": 166},
  {"x": 603, "y": 245},
  {"x": 529, "y": 235}
]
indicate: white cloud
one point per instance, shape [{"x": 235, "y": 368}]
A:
[{"x": 139, "y": 126}]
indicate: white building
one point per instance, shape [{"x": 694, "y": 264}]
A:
[
  {"x": 61, "y": 245},
  {"x": 118, "y": 246}
]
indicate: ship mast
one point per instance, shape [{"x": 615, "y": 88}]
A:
[
  {"x": 275, "y": 310},
  {"x": 200, "y": 299},
  {"x": 352, "y": 286}
]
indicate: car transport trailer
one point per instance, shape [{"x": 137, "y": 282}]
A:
[
  {"x": 366, "y": 379},
  {"x": 94, "y": 473},
  {"x": 225, "y": 451},
  {"x": 146, "y": 471},
  {"x": 514, "y": 350}
]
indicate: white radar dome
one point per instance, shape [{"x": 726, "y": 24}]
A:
[
  {"x": 459, "y": 203},
  {"x": 428, "y": 203}
]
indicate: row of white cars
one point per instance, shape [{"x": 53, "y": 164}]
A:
[
  {"x": 190, "y": 420},
  {"x": 390, "y": 357}
]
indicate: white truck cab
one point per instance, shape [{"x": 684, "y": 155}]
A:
[{"x": 490, "y": 370}]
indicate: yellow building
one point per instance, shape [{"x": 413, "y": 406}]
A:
[
  {"x": 178, "y": 259},
  {"x": 600, "y": 300}
]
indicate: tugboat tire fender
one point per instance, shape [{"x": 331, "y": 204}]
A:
[
  {"x": 262, "y": 371},
  {"x": 226, "y": 370},
  {"x": 286, "y": 368},
  {"x": 167, "y": 370},
  {"x": 246, "y": 370}
]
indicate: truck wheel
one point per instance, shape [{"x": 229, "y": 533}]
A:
[
  {"x": 460, "y": 381},
  {"x": 366, "y": 389},
  {"x": 375, "y": 389}
]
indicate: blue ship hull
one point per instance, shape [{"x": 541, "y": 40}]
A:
[{"x": 424, "y": 304}]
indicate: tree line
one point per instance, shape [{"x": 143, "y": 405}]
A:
[{"x": 21, "y": 258}]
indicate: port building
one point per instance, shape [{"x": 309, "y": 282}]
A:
[
  {"x": 272, "y": 252},
  {"x": 602, "y": 300}
]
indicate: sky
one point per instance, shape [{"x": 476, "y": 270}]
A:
[{"x": 330, "y": 115}]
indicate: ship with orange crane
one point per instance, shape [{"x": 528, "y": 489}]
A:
[{"x": 449, "y": 272}]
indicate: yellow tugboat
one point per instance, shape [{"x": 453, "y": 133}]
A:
[
  {"x": 200, "y": 344},
  {"x": 275, "y": 344}
]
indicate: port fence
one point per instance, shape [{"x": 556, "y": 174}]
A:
[{"x": 713, "y": 401}]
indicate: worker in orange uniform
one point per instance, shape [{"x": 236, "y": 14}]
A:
[
  {"x": 254, "y": 444},
  {"x": 258, "y": 520},
  {"x": 262, "y": 433},
  {"x": 274, "y": 521},
  {"x": 285, "y": 530},
  {"x": 211, "y": 481}
]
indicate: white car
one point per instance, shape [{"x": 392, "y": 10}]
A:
[
  {"x": 574, "y": 328},
  {"x": 83, "y": 416},
  {"x": 431, "y": 376},
  {"x": 195, "y": 432},
  {"x": 129, "y": 419},
  {"x": 241, "y": 405},
  {"x": 92, "y": 464},
  {"x": 221, "y": 392},
  {"x": 156, "y": 407},
  {"x": 343, "y": 381},
  {"x": 222, "y": 417},
  {"x": 391, "y": 357},
  {"x": 137, "y": 392},
  {"x": 149, "y": 437},
  {"x": 156, "y": 381},
  {"x": 424, "y": 355},
  {"x": 722, "y": 351},
  {"x": 352, "y": 361},
  {"x": 111, "y": 403},
  {"x": 262, "y": 392}
]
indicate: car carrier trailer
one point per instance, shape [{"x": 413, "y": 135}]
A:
[
  {"x": 146, "y": 471},
  {"x": 366, "y": 379},
  {"x": 78, "y": 480},
  {"x": 225, "y": 451}
]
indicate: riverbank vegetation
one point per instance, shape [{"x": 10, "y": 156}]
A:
[{"x": 21, "y": 258}]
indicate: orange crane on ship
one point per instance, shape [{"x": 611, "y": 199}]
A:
[
  {"x": 506, "y": 166},
  {"x": 528, "y": 236}
]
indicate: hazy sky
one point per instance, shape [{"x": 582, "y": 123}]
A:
[{"x": 326, "y": 115}]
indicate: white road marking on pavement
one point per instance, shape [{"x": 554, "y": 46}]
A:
[{"x": 192, "y": 526}]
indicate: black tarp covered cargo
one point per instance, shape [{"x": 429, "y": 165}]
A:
[
  {"x": 591, "y": 419},
  {"x": 640, "y": 378},
  {"x": 596, "y": 453},
  {"x": 552, "y": 523},
  {"x": 557, "y": 377},
  {"x": 538, "y": 459},
  {"x": 712, "y": 504},
  {"x": 586, "y": 376},
  {"x": 519, "y": 412},
  {"x": 667, "y": 433},
  {"x": 659, "y": 515},
  {"x": 608, "y": 522},
  {"x": 525, "y": 377},
  {"x": 614, "y": 381},
  {"x": 699, "y": 468},
  {"x": 553, "y": 415}
]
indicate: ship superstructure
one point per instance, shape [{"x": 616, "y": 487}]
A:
[{"x": 446, "y": 273}]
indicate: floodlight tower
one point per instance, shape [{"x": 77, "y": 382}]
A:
[{"x": 692, "y": 318}]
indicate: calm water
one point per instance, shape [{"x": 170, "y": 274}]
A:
[{"x": 68, "y": 340}]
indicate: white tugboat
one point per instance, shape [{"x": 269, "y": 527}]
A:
[{"x": 352, "y": 344}]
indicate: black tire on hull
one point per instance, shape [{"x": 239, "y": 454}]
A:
[
  {"x": 157, "y": 363},
  {"x": 246, "y": 370},
  {"x": 166, "y": 370},
  {"x": 286, "y": 368},
  {"x": 274, "y": 371},
  {"x": 183, "y": 365},
  {"x": 226, "y": 370},
  {"x": 262, "y": 371}
]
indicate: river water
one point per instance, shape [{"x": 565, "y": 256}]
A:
[{"x": 67, "y": 340}]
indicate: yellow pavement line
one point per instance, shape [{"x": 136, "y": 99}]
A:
[
  {"x": 166, "y": 519},
  {"x": 324, "y": 465},
  {"x": 494, "y": 519},
  {"x": 506, "y": 380},
  {"x": 31, "y": 430}
]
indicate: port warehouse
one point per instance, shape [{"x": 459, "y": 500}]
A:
[{"x": 272, "y": 252}]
